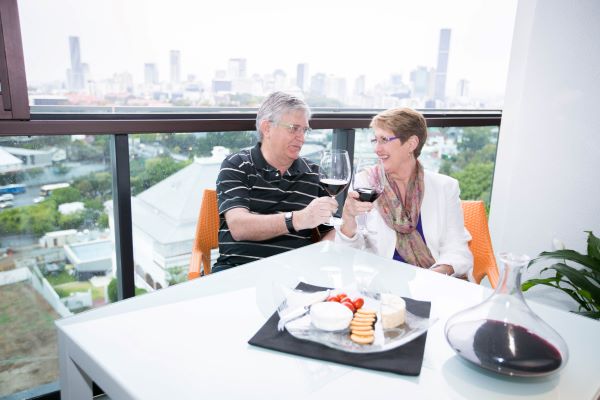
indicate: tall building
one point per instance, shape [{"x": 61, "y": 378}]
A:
[
  {"x": 419, "y": 79},
  {"x": 302, "y": 76},
  {"x": 336, "y": 88},
  {"x": 360, "y": 85},
  {"x": 442, "y": 64},
  {"x": 279, "y": 80},
  {"x": 75, "y": 74},
  {"x": 237, "y": 68},
  {"x": 317, "y": 84},
  {"x": 150, "y": 74},
  {"x": 175, "y": 63},
  {"x": 462, "y": 88}
]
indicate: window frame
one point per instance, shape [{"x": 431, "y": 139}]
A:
[{"x": 14, "y": 100}]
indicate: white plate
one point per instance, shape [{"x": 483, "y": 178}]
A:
[{"x": 385, "y": 339}]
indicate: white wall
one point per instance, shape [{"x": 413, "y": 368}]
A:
[{"x": 547, "y": 178}]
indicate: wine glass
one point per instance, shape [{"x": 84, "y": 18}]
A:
[
  {"x": 368, "y": 182},
  {"x": 334, "y": 175}
]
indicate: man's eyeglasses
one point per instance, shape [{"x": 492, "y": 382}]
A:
[
  {"x": 294, "y": 129},
  {"x": 383, "y": 140}
]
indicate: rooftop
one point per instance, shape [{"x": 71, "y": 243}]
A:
[
  {"x": 8, "y": 159},
  {"x": 90, "y": 251}
]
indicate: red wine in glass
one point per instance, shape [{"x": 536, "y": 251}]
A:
[
  {"x": 334, "y": 175},
  {"x": 366, "y": 194},
  {"x": 333, "y": 186}
]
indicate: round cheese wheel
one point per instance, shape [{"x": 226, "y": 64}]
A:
[
  {"x": 393, "y": 311},
  {"x": 330, "y": 316}
]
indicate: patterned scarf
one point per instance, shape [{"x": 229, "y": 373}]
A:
[{"x": 403, "y": 218}]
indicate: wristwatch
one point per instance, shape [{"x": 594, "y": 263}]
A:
[{"x": 288, "y": 221}]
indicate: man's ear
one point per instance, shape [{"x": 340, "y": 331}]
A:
[{"x": 265, "y": 128}]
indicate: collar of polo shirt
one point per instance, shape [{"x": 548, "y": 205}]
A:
[{"x": 297, "y": 167}]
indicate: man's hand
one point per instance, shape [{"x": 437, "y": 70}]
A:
[{"x": 316, "y": 213}]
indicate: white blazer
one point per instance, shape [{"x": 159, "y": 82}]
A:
[{"x": 442, "y": 221}]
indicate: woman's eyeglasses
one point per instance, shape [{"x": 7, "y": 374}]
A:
[{"x": 383, "y": 140}]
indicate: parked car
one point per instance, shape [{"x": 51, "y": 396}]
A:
[
  {"x": 7, "y": 197},
  {"x": 6, "y": 204},
  {"x": 39, "y": 199}
]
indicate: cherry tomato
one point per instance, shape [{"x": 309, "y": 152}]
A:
[
  {"x": 359, "y": 302},
  {"x": 349, "y": 304},
  {"x": 333, "y": 298},
  {"x": 342, "y": 296}
]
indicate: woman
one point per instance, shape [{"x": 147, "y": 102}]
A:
[{"x": 418, "y": 218}]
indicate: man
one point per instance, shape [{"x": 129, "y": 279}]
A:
[{"x": 270, "y": 197}]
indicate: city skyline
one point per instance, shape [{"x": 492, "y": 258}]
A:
[
  {"x": 123, "y": 36},
  {"x": 425, "y": 87}
]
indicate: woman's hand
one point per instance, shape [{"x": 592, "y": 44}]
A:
[
  {"x": 443, "y": 269},
  {"x": 352, "y": 208}
]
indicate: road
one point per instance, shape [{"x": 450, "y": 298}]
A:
[{"x": 76, "y": 169}]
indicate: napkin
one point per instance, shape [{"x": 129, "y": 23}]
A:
[{"x": 403, "y": 360}]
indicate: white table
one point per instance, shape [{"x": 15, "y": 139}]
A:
[{"x": 190, "y": 341}]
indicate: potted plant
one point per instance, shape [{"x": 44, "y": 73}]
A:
[{"x": 581, "y": 284}]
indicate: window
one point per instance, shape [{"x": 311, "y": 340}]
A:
[
  {"x": 56, "y": 248},
  {"x": 168, "y": 175},
  {"x": 465, "y": 153},
  {"x": 430, "y": 54}
]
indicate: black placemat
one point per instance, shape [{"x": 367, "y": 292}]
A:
[{"x": 404, "y": 360}]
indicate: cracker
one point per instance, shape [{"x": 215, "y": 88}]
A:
[
  {"x": 362, "y": 339},
  {"x": 362, "y": 311},
  {"x": 367, "y": 332},
  {"x": 363, "y": 319},
  {"x": 360, "y": 323}
]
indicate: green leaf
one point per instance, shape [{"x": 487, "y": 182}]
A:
[
  {"x": 593, "y": 246},
  {"x": 590, "y": 314},
  {"x": 583, "y": 304},
  {"x": 570, "y": 255},
  {"x": 580, "y": 280},
  {"x": 533, "y": 282}
]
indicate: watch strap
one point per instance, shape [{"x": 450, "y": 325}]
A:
[{"x": 288, "y": 222}]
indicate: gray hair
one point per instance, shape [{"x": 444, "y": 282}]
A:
[{"x": 276, "y": 105}]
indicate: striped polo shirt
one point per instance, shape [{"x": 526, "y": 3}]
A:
[{"x": 246, "y": 180}]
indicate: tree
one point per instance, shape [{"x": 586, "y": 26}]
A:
[
  {"x": 113, "y": 295},
  {"x": 474, "y": 139},
  {"x": 65, "y": 195},
  {"x": 103, "y": 221},
  {"x": 37, "y": 219},
  {"x": 71, "y": 221},
  {"x": 475, "y": 181},
  {"x": 153, "y": 171}
]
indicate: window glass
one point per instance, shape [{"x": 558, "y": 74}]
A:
[
  {"x": 465, "y": 153},
  {"x": 203, "y": 55},
  {"x": 169, "y": 173},
  {"x": 56, "y": 248}
]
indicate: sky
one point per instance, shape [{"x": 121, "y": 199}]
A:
[{"x": 341, "y": 37}]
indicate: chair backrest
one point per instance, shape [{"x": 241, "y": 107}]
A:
[
  {"x": 207, "y": 234},
  {"x": 484, "y": 261}
]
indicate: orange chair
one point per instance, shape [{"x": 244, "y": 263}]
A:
[
  {"x": 207, "y": 235},
  {"x": 484, "y": 261}
]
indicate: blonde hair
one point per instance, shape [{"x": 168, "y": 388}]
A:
[{"x": 404, "y": 123}]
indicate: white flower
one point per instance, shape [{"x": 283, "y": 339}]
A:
[{"x": 557, "y": 244}]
